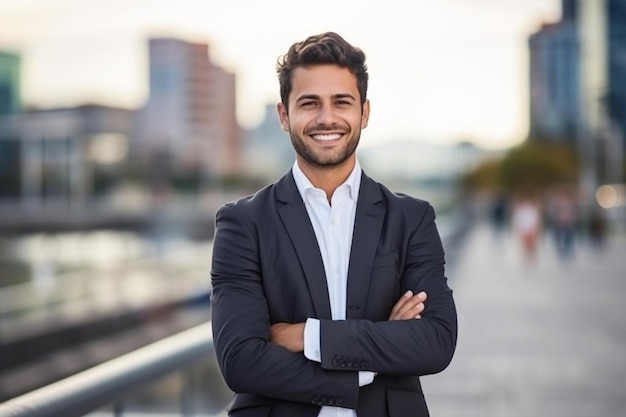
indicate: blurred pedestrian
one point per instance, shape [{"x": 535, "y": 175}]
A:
[
  {"x": 527, "y": 224},
  {"x": 563, "y": 223},
  {"x": 499, "y": 214},
  {"x": 597, "y": 228}
]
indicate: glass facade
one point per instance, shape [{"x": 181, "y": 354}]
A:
[
  {"x": 10, "y": 100},
  {"x": 616, "y": 94}
]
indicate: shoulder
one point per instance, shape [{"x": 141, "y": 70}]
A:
[
  {"x": 264, "y": 200},
  {"x": 250, "y": 203}
]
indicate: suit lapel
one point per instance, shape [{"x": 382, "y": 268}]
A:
[
  {"x": 293, "y": 214},
  {"x": 367, "y": 228}
]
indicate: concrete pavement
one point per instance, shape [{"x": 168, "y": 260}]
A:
[{"x": 536, "y": 339}]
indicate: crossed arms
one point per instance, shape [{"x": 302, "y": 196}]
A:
[
  {"x": 291, "y": 336},
  {"x": 265, "y": 358}
]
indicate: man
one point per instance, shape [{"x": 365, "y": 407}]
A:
[{"x": 329, "y": 295}]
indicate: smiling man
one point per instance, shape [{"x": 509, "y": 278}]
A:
[{"x": 329, "y": 292}]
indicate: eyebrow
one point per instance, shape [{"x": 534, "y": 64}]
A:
[{"x": 317, "y": 97}]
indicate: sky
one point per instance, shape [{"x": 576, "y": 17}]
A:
[{"x": 440, "y": 70}]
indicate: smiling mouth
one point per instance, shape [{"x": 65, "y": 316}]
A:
[{"x": 327, "y": 136}]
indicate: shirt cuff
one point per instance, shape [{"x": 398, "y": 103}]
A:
[
  {"x": 312, "y": 340},
  {"x": 366, "y": 377}
]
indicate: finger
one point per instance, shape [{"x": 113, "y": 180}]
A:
[
  {"x": 400, "y": 303},
  {"x": 404, "y": 305},
  {"x": 411, "y": 307}
]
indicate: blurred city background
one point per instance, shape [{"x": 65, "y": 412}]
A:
[{"x": 123, "y": 126}]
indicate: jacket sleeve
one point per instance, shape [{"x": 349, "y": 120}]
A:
[
  {"x": 403, "y": 347},
  {"x": 241, "y": 328}
]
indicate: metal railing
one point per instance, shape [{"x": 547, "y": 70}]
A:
[{"x": 105, "y": 384}]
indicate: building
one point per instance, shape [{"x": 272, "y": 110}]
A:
[
  {"x": 616, "y": 98},
  {"x": 54, "y": 154},
  {"x": 603, "y": 88},
  {"x": 10, "y": 103},
  {"x": 10, "y": 97},
  {"x": 578, "y": 86},
  {"x": 268, "y": 151},
  {"x": 555, "y": 100},
  {"x": 189, "y": 119}
]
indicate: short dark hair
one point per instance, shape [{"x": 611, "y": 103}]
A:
[{"x": 325, "y": 48}]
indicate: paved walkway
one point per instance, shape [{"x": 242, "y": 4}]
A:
[{"x": 536, "y": 339}]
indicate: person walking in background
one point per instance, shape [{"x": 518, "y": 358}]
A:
[
  {"x": 597, "y": 228},
  {"x": 499, "y": 214},
  {"x": 527, "y": 225},
  {"x": 329, "y": 295},
  {"x": 563, "y": 223}
]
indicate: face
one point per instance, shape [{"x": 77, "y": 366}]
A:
[{"x": 325, "y": 116}]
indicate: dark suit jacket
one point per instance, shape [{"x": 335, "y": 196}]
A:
[{"x": 267, "y": 268}]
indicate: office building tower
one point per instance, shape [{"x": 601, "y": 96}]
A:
[
  {"x": 603, "y": 72},
  {"x": 555, "y": 99},
  {"x": 10, "y": 98},
  {"x": 189, "y": 119},
  {"x": 578, "y": 86}
]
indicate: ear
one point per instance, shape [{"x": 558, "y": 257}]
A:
[
  {"x": 283, "y": 117},
  {"x": 365, "y": 116}
]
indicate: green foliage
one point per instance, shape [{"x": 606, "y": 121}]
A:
[
  {"x": 538, "y": 166},
  {"x": 485, "y": 176},
  {"x": 530, "y": 166}
]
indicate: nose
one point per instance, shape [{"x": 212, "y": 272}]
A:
[{"x": 326, "y": 115}]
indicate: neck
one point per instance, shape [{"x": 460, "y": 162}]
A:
[{"x": 327, "y": 178}]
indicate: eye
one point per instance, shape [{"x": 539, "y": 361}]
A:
[
  {"x": 343, "y": 103},
  {"x": 308, "y": 104}
]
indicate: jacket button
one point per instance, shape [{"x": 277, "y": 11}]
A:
[
  {"x": 364, "y": 364},
  {"x": 339, "y": 402}
]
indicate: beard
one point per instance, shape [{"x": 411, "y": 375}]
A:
[{"x": 321, "y": 158}]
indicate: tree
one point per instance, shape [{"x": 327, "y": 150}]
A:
[{"x": 532, "y": 165}]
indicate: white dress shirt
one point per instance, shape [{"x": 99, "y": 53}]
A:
[{"x": 333, "y": 225}]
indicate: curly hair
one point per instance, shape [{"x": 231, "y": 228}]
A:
[{"x": 325, "y": 48}]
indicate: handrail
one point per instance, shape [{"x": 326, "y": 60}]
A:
[{"x": 96, "y": 387}]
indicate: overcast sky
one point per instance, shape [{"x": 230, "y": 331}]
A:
[{"x": 440, "y": 70}]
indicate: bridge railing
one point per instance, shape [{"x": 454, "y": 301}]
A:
[{"x": 111, "y": 382}]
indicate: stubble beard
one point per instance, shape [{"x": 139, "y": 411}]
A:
[{"x": 329, "y": 160}]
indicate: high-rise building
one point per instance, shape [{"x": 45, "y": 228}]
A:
[
  {"x": 10, "y": 97},
  {"x": 578, "y": 85},
  {"x": 190, "y": 117},
  {"x": 10, "y": 104},
  {"x": 555, "y": 79},
  {"x": 603, "y": 88},
  {"x": 616, "y": 94}
]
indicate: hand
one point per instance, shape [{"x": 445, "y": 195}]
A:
[
  {"x": 409, "y": 306},
  {"x": 289, "y": 336}
]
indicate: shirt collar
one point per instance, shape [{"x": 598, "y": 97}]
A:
[{"x": 353, "y": 182}]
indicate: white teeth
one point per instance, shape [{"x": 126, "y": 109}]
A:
[{"x": 334, "y": 136}]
